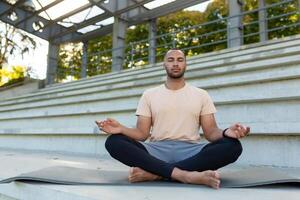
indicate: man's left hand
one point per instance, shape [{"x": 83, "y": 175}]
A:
[{"x": 237, "y": 131}]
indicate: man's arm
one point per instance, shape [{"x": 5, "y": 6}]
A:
[
  {"x": 210, "y": 128},
  {"x": 213, "y": 133},
  {"x": 141, "y": 132}
]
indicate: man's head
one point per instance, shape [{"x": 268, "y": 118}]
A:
[{"x": 175, "y": 63}]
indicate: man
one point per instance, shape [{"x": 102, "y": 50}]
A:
[{"x": 174, "y": 111}]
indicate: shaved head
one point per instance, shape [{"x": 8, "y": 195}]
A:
[{"x": 172, "y": 50}]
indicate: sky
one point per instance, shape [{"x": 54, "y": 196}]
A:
[{"x": 37, "y": 60}]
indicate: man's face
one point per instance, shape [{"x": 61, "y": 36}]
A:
[{"x": 175, "y": 64}]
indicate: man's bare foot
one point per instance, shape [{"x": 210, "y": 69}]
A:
[
  {"x": 137, "y": 174},
  {"x": 209, "y": 177}
]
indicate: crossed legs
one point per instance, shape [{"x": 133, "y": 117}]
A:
[{"x": 198, "y": 169}]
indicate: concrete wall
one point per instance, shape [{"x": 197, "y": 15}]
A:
[
  {"x": 256, "y": 85},
  {"x": 18, "y": 89}
]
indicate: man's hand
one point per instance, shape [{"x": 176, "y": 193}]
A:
[
  {"x": 237, "y": 131},
  {"x": 110, "y": 126}
]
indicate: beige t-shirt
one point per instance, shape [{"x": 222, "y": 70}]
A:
[{"x": 175, "y": 113}]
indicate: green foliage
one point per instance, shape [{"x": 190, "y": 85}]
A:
[
  {"x": 99, "y": 56},
  {"x": 188, "y": 35},
  {"x": 250, "y": 22},
  {"x": 214, "y": 34},
  {"x": 276, "y": 18},
  {"x": 181, "y": 38},
  {"x": 283, "y": 21},
  {"x": 14, "y": 42},
  {"x": 11, "y": 75},
  {"x": 69, "y": 62}
]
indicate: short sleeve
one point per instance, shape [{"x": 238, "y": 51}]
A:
[
  {"x": 208, "y": 106},
  {"x": 143, "y": 108}
]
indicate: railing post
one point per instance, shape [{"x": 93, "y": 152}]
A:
[
  {"x": 174, "y": 40},
  {"x": 52, "y": 62},
  {"x": 84, "y": 60},
  {"x": 132, "y": 51},
  {"x": 152, "y": 41},
  {"x": 234, "y": 25},
  {"x": 263, "y": 24},
  {"x": 119, "y": 30}
]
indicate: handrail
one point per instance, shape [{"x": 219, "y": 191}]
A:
[{"x": 133, "y": 54}]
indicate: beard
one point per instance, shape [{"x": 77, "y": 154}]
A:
[{"x": 175, "y": 75}]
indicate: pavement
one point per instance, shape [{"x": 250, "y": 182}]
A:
[{"x": 15, "y": 162}]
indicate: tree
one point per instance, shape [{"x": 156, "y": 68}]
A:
[
  {"x": 280, "y": 20},
  {"x": 99, "y": 55},
  {"x": 12, "y": 74},
  {"x": 14, "y": 42},
  {"x": 69, "y": 62},
  {"x": 136, "y": 52},
  {"x": 200, "y": 32},
  {"x": 286, "y": 22}
]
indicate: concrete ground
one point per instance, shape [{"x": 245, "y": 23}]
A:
[{"x": 15, "y": 162}]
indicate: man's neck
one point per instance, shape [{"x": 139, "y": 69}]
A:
[{"x": 175, "y": 84}]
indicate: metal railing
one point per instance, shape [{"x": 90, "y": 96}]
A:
[{"x": 194, "y": 40}]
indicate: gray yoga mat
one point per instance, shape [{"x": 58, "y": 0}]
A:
[{"x": 78, "y": 176}]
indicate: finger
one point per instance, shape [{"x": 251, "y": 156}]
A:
[
  {"x": 244, "y": 130},
  {"x": 241, "y": 129},
  {"x": 248, "y": 129},
  {"x": 236, "y": 126},
  {"x": 240, "y": 132},
  {"x": 105, "y": 122},
  {"x": 103, "y": 126},
  {"x": 98, "y": 122},
  {"x": 245, "y": 133},
  {"x": 237, "y": 134},
  {"x": 110, "y": 120}
]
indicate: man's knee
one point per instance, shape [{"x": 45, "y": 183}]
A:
[
  {"x": 235, "y": 148},
  {"x": 113, "y": 141}
]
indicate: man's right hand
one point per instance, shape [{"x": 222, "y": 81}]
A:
[{"x": 110, "y": 126}]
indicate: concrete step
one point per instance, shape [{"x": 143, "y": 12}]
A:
[
  {"x": 262, "y": 52},
  {"x": 256, "y": 85},
  {"x": 13, "y": 164},
  {"x": 268, "y": 48},
  {"x": 279, "y": 68}
]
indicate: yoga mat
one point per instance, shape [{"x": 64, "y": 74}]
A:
[{"x": 78, "y": 176}]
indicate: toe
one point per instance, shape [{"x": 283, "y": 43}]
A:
[
  {"x": 216, "y": 174},
  {"x": 131, "y": 170}
]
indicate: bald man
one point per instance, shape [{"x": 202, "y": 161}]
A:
[{"x": 170, "y": 116}]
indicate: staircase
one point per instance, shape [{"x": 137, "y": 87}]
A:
[{"x": 257, "y": 85}]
